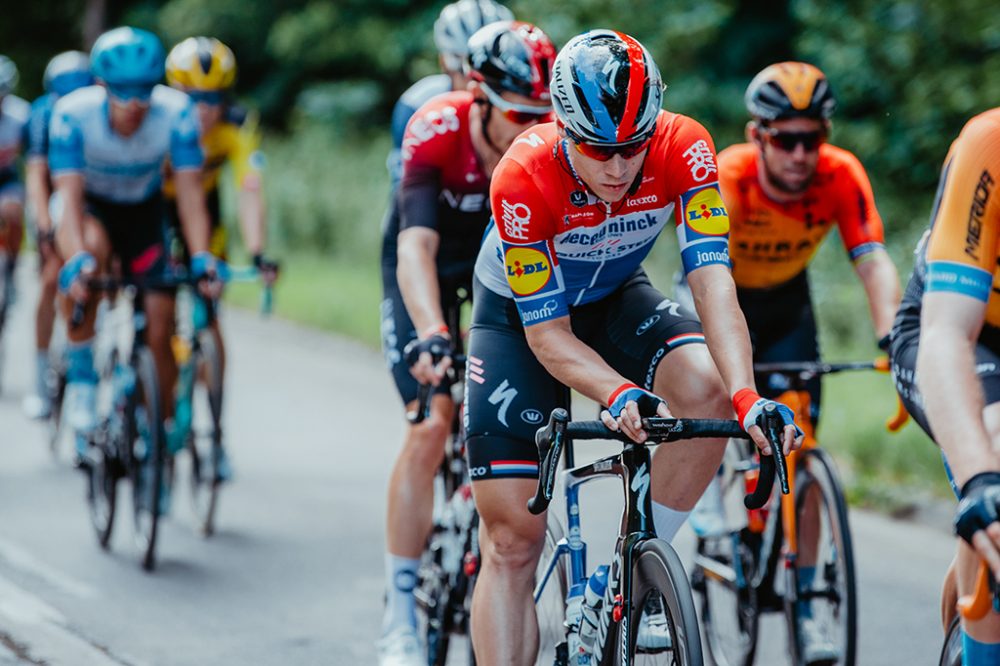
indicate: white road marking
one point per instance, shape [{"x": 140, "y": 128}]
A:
[{"x": 21, "y": 559}]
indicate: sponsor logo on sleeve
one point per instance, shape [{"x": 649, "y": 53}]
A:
[
  {"x": 705, "y": 212},
  {"x": 700, "y": 160},
  {"x": 529, "y": 269},
  {"x": 516, "y": 217},
  {"x": 427, "y": 126},
  {"x": 974, "y": 230},
  {"x": 533, "y": 140},
  {"x": 546, "y": 310}
]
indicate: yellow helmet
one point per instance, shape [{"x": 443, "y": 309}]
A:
[{"x": 202, "y": 64}]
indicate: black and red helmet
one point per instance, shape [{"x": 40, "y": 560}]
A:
[{"x": 513, "y": 56}]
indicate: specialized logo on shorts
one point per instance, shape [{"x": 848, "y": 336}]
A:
[
  {"x": 532, "y": 416},
  {"x": 528, "y": 270},
  {"x": 706, "y": 213}
]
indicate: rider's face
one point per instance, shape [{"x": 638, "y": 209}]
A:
[
  {"x": 610, "y": 180},
  {"x": 789, "y": 151},
  {"x": 510, "y": 114}
]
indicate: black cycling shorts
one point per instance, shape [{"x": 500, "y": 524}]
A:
[
  {"x": 508, "y": 394},
  {"x": 398, "y": 330},
  {"x": 783, "y": 329},
  {"x": 138, "y": 238}
]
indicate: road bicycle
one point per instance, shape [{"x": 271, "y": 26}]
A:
[
  {"x": 128, "y": 442},
  {"x": 753, "y": 567},
  {"x": 645, "y": 571},
  {"x": 450, "y": 561},
  {"x": 197, "y": 424},
  {"x": 6, "y": 289},
  {"x": 985, "y": 598}
]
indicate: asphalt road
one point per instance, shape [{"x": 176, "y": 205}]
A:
[{"x": 293, "y": 575}]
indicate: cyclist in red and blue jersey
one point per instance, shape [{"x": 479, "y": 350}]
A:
[
  {"x": 436, "y": 223},
  {"x": 65, "y": 73},
  {"x": 561, "y": 299},
  {"x": 452, "y": 29},
  {"x": 107, "y": 147}
]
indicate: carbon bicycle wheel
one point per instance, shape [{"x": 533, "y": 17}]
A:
[
  {"x": 145, "y": 432},
  {"x": 102, "y": 490},
  {"x": 658, "y": 575},
  {"x": 951, "y": 651},
  {"x": 833, "y": 596},
  {"x": 551, "y": 605},
  {"x": 729, "y": 608},
  {"x": 55, "y": 385},
  {"x": 206, "y": 433}
]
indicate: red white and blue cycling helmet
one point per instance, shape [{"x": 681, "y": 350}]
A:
[{"x": 606, "y": 89}]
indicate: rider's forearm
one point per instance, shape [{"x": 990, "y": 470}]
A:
[
  {"x": 70, "y": 187},
  {"x": 881, "y": 282},
  {"x": 571, "y": 361},
  {"x": 416, "y": 275},
  {"x": 252, "y": 220},
  {"x": 725, "y": 327},
  {"x": 192, "y": 210},
  {"x": 36, "y": 180},
  {"x": 953, "y": 399}
]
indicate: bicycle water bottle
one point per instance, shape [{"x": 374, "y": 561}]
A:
[
  {"x": 578, "y": 654},
  {"x": 593, "y": 599}
]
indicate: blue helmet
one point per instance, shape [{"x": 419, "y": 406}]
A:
[
  {"x": 66, "y": 72},
  {"x": 128, "y": 57}
]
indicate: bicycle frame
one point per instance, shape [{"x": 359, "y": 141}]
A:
[{"x": 632, "y": 466}]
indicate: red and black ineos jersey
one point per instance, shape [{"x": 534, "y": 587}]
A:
[
  {"x": 444, "y": 187},
  {"x": 556, "y": 246}
]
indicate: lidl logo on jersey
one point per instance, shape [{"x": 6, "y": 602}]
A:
[
  {"x": 705, "y": 213},
  {"x": 529, "y": 268}
]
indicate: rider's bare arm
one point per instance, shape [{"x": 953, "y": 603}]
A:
[
  {"x": 946, "y": 375},
  {"x": 70, "y": 186},
  {"x": 253, "y": 219},
  {"x": 38, "y": 190},
  {"x": 725, "y": 327},
  {"x": 416, "y": 273},
  {"x": 191, "y": 209},
  {"x": 881, "y": 282}
]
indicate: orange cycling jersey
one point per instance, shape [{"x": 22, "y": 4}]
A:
[
  {"x": 963, "y": 252},
  {"x": 772, "y": 242}
]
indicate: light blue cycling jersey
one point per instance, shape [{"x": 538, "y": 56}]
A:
[
  {"x": 408, "y": 103},
  {"x": 14, "y": 113},
  {"x": 115, "y": 168},
  {"x": 37, "y": 131}
]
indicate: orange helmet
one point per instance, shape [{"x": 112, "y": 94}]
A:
[{"x": 790, "y": 90}]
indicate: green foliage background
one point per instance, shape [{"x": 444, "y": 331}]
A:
[{"x": 325, "y": 75}]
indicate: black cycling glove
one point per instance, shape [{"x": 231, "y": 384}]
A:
[
  {"x": 437, "y": 345},
  {"x": 978, "y": 508}
]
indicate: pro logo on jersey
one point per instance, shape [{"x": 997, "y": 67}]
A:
[
  {"x": 528, "y": 270},
  {"x": 706, "y": 213}
]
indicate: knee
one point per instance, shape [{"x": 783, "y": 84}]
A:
[
  {"x": 512, "y": 546},
  {"x": 705, "y": 396},
  {"x": 425, "y": 445}
]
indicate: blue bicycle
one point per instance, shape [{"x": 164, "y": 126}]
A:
[{"x": 646, "y": 576}]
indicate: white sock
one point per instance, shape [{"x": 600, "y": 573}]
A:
[
  {"x": 42, "y": 373},
  {"x": 400, "y": 606},
  {"x": 667, "y": 521}
]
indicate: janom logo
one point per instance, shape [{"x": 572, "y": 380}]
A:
[
  {"x": 528, "y": 270},
  {"x": 706, "y": 214}
]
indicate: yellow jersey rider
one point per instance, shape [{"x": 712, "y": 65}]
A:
[{"x": 205, "y": 69}]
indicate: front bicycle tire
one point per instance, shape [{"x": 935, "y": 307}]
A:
[
  {"x": 206, "y": 433},
  {"x": 834, "y": 594},
  {"x": 148, "y": 456},
  {"x": 657, "y": 572},
  {"x": 102, "y": 491},
  {"x": 550, "y": 608},
  {"x": 951, "y": 651}
]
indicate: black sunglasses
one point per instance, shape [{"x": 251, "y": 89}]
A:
[{"x": 789, "y": 141}]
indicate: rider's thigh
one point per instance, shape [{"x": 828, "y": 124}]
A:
[
  {"x": 159, "y": 309},
  {"x": 512, "y": 538},
  {"x": 11, "y": 210},
  {"x": 701, "y": 393},
  {"x": 991, "y": 419}
]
